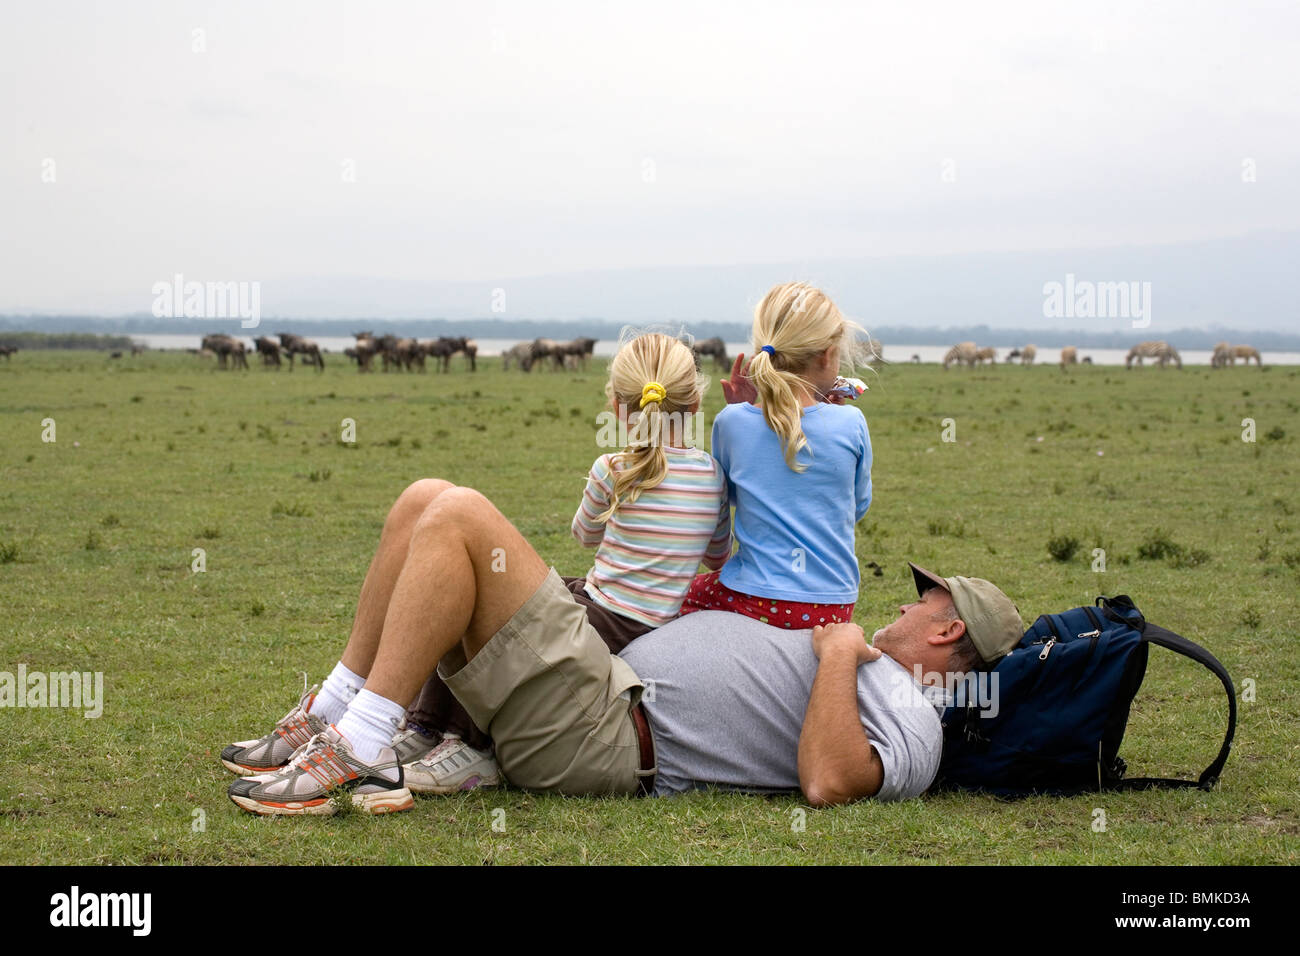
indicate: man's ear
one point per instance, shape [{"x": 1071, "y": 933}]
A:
[{"x": 950, "y": 634}]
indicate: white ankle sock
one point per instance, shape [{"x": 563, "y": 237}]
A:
[
  {"x": 336, "y": 693},
  {"x": 369, "y": 724}
]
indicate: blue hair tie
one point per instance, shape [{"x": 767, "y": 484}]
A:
[{"x": 769, "y": 350}]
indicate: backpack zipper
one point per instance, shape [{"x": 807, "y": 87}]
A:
[
  {"x": 1091, "y": 634},
  {"x": 1047, "y": 649}
]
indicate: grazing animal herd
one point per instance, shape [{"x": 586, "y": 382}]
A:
[
  {"x": 1162, "y": 353},
  {"x": 408, "y": 354},
  {"x": 390, "y": 353}
]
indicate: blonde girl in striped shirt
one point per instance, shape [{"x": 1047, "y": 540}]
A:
[{"x": 658, "y": 509}]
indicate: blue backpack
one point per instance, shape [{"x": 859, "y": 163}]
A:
[{"x": 1049, "y": 718}]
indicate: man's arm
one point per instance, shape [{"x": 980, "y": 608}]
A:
[{"x": 837, "y": 763}]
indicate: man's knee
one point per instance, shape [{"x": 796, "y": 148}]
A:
[
  {"x": 415, "y": 499},
  {"x": 456, "y": 508}
]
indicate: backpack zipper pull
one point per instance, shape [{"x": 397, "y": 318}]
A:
[
  {"x": 1047, "y": 649},
  {"x": 1090, "y": 634}
]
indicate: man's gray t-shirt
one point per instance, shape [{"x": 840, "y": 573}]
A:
[{"x": 726, "y": 697}]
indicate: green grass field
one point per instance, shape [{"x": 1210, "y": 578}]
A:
[{"x": 156, "y": 456}]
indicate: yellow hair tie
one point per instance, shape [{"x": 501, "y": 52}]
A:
[{"x": 653, "y": 392}]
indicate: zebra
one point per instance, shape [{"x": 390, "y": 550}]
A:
[{"x": 1163, "y": 352}]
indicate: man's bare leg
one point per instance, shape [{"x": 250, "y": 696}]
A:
[
  {"x": 445, "y": 579},
  {"x": 338, "y": 690},
  {"x": 377, "y": 590},
  {"x": 467, "y": 571}
]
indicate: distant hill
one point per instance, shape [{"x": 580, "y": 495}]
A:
[{"x": 1245, "y": 283}]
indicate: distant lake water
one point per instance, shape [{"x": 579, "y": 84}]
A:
[{"x": 893, "y": 353}]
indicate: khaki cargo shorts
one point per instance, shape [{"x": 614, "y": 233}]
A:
[{"x": 557, "y": 703}]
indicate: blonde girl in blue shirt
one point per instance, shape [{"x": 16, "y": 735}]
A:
[{"x": 798, "y": 467}]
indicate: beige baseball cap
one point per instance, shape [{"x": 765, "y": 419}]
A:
[{"x": 992, "y": 621}]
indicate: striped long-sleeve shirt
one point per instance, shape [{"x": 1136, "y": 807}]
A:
[{"x": 651, "y": 549}]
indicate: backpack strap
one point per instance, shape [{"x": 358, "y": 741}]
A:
[{"x": 1165, "y": 638}]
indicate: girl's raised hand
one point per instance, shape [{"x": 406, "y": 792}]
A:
[{"x": 739, "y": 389}]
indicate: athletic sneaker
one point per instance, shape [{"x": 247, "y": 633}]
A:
[
  {"x": 326, "y": 767},
  {"x": 273, "y": 751},
  {"x": 452, "y": 766},
  {"x": 413, "y": 742}
]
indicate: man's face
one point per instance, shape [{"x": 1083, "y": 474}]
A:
[{"x": 916, "y": 622}]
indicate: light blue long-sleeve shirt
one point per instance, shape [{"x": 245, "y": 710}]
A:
[{"x": 795, "y": 529}]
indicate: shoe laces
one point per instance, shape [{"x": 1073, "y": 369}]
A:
[
  {"x": 299, "y": 759},
  {"x": 300, "y": 710},
  {"x": 446, "y": 746}
]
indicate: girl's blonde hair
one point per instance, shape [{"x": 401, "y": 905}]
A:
[
  {"x": 644, "y": 361},
  {"x": 798, "y": 322}
]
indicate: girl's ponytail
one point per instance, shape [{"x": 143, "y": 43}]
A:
[
  {"x": 654, "y": 379},
  {"x": 794, "y": 324},
  {"x": 776, "y": 393},
  {"x": 644, "y": 461}
]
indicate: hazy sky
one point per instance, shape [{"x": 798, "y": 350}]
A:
[{"x": 507, "y": 139}]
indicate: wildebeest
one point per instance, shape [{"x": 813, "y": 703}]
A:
[
  {"x": 7, "y": 351},
  {"x": 963, "y": 352},
  {"x": 386, "y": 348},
  {"x": 226, "y": 347},
  {"x": 409, "y": 352},
  {"x": 579, "y": 351},
  {"x": 1069, "y": 356},
  {"x": 269, "y": 349},
  {"x": 714, "y": 347},
  {"x": 444, "y": 347},
  {"x": 1163, "y": 352},
  {"x": 364, "y": 351},
  {"x": 138, "y": 349},
  {"x": 297, "y": 345},
  {"x": 544, "y": 349}
]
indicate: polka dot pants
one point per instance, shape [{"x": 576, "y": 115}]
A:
[{"x": 707, "y": 593}]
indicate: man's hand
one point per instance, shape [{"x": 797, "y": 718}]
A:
[
  {"x": 848, "y": 636},
  {"x": 738, "y": 389},
  {"x": 837, "y": 763}
]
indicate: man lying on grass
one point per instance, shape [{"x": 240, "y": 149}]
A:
[{"x": 710, "y": 699}]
